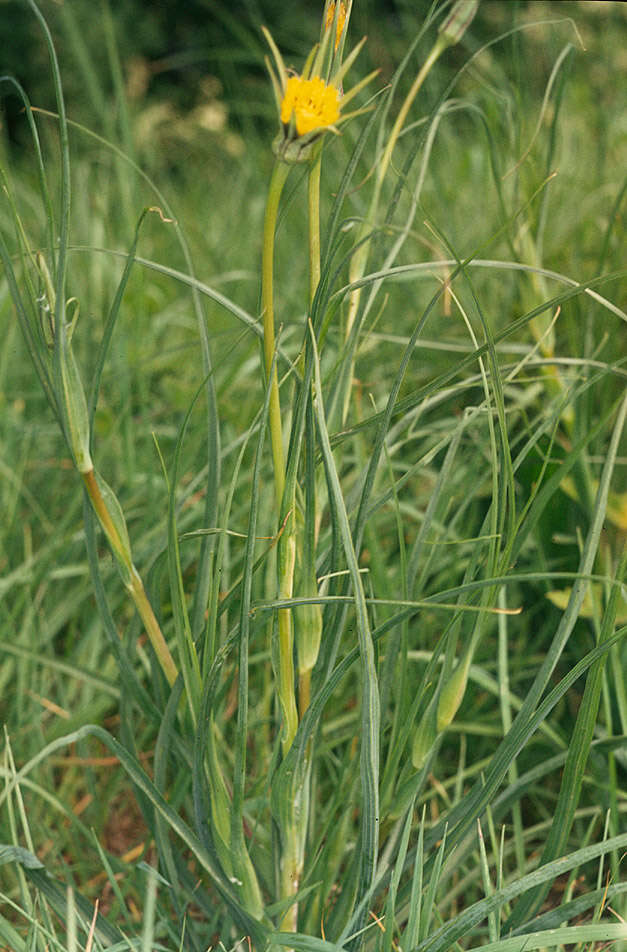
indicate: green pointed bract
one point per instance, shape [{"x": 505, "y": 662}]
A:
[
  {"x": 340, "y": 73},
  {"x": 277, "y": 56},
  {"x": 295, "y": 150}
]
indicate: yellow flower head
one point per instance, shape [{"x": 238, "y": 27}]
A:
[
  {"x": 313, "y": 103},
  {"x": 341, "y": 20}
]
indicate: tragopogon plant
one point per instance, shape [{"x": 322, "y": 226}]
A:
[{"x": 308, "y": 782}]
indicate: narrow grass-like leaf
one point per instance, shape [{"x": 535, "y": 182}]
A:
[
  {"x": 11, "y": 938},
  {"x": 527, "y": 719},
  {"x": 585, "y": 567},
  {"x": 411, "y": 935},
  {"x": 485, "y": 878},
  {"x": 166, "y": 743},
  {"x": 243, "y": 866},
  {"x": 611, "y": 223},
  {"x": 213, "y": 438},
  {"x": 605, "y": 932},
  {"x": 41, "y": 366},
  {"x": 428, "y": 904},
  {"x": 64, "y": 217},
  {"x": 434, "y": 500},
  {"x": 56, "y": 895},
  {"x": 369, "y": 755},
  {"x": 481, "y": 794},
  {"x": 114, "y": 312},
  {"x": 149, "y": 912},
  {"x": 575, "y": 908},
  {"x": 332, "y": 230},
  {"x": 138, "y": 776},
  {"x": 448, "y": 934},
  {"x": 187, "y": 649},
  {"x": 402, "y": 406},
  {"x": 506, "y": 719},
  {"x": 576, "y": 760},
  {"x": 390, "y": 906},
  {"x": 43, "y": 184},
  {"x": 305, "y": 943},
  {"x": 114, "y": 885},
  {"x": 17, "y": 854},
  {"x": 132, "y": 685}
]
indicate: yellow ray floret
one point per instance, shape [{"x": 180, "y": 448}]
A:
[{"x": 313, "y": 103}]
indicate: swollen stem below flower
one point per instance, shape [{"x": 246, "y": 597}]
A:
[
  {"x": 132, "y": 579},
  {"x": 279, "y": 176}
]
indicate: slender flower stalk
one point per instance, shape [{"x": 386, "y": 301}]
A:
[
  {"x": 285, "y": 653},
  {"x": 308, "y": 106},
  {"x": 279, "y": 177},
  {"x": 313, "y": 195},
  {"x": 307, "y": 619}
]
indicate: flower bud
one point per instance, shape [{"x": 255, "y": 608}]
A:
[
  {"x": 425, "y": 737},
  {"x": 452, "y": 694},
  {"x": 458, "y": 21},
  {"x": 308, "y": 626}
]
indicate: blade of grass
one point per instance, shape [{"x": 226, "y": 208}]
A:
[
  {"x": 461, "y": 925},
  {"x": 240, "y": 852},
  {"x": 64, "y": 217},
  {"x": 578, "y": 751},
  {"x": 178, "y": 826},
  {"x": 370, "y": 727},
  {"x": 606, "y": 932}
]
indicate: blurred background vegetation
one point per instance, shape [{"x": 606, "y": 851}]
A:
[{"x": 204, "y": 58}]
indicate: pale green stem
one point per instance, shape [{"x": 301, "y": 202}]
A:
[
  {"x": 279, "y": 176},
  {"x": 290, "y": 876},
  {"x": 135, "y": 585},
  {"x": 287, "y": 697},
  {"x": 314, "y": 223},
  {"x": 293, "y": 836}
]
